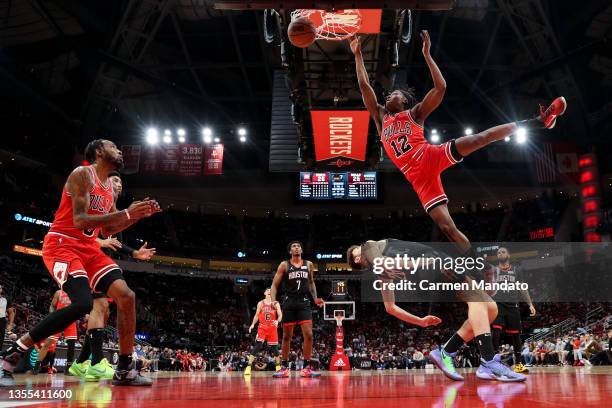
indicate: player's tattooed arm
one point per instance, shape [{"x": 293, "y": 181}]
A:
[
  {"x": 394, "y": 310},
  {"x": 312, "y": 287},
  {"x": 278, "y": 277},
  {"x": 434, "y": 97},
  {"x": 367, "y": 92}
]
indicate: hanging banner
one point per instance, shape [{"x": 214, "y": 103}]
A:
[
  {"x": 340, "y": 137},
  {"x": 213, "y": 159},
  {"x": 131, "y": 158}
]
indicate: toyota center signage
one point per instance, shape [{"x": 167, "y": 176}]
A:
[{"x": 340, "y": 137}]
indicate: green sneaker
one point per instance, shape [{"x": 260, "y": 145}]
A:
[
  {"x": 79, "y": 369},
  {"x": 101, "y": 371}
]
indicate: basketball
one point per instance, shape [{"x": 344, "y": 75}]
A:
[{"x": 302, "y": 32}]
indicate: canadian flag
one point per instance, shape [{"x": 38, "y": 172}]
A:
[{"x": 567, "y": 163}]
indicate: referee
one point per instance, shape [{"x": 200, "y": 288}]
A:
[{"x": 6, "y": 311}]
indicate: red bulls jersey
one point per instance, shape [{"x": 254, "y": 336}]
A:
[
  {"x": 63, "y": 301},
  {"x": 100, "y": 202},
  {"x": 267, "y": 313},
  {"x": 402, "y": 138}
]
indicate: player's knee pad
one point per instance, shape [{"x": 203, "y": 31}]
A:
[
  {"x": 257, "y": 347},
  {"x": 274, "y": 350},
  {"x": 81, "y": 301}
]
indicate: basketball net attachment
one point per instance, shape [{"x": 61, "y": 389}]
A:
[
  {"x": 339, "y": 318},
  {"x": 335, "y": 26}
]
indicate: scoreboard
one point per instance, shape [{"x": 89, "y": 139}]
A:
[{"x": 338, "y": 185}]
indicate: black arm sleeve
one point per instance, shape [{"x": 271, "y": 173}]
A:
[{"x": 126, "y": 249}]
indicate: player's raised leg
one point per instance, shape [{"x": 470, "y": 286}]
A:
[
  {"x": 79, "y": 292},
  {"x": 467, "y": 145}
]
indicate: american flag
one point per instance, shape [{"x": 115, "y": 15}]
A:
[{"x": 544, "y": 161}]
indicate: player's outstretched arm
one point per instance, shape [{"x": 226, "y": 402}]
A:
[
  {"x": 256, "y": 317},
  {"x": 117, "y": 227},
  {"x": 79, "y": 185},
  {"x": 434, "y": 97},
  {"x": 396, "y": 311},
  {"x": 367, "y": 93},
  {"x": 278, "y": 278}
]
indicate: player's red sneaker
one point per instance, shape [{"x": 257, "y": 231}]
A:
[
  {"x": 308, "y": 372},
  {"x": 282, "y": 373},
  {"x": 556, "y": 109}
]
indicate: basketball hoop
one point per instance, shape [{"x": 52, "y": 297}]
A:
[{"x": 335, "y": 26}]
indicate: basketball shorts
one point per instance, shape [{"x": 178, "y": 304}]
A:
[
  {"x": 70, "y": 333},
  {"x": 296, "y": 310},
  {"x": 268, "y": 334},
  {"x": 424, "y": 169},
  {"x": 508, "y": 319},
  {"x": 67, "y": 256}
]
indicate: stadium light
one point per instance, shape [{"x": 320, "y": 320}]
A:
[
  {"x": 242, "y": 131},
  {"x": 507, "y": 139},
  {"x": 434, "y": 131},
  {"x": 167, "y": 139},
  {"x": 435, "y": 138},
  {"x": 207, "y": 131},
  {"x": 181, "y": 132},
  {"x": 217, "y": 140},
  {"x": 242, "y": 139},
  {"x": 167, "y": 132},
  {"x": 521, "y": 135},
  {"x": 207, "y": 139},
  {"x": 181, "y": 139},
  {"x": 468, "y": 131},
  {"x": 152, "y": 136}
]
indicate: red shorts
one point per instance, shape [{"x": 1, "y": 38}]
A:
[
  {"x": 64, "y": 255},
  {"x": 424, "y": 169},
  {"x": 268, "y": 334},
  {"x": 70, "y": 333}
]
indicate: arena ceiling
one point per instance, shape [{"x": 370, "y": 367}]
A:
[{"x": 72, "y": 70}]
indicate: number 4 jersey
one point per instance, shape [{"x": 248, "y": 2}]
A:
[{"x": 420, "y": 162}]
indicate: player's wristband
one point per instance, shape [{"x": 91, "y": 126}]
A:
[{"x": 127, "y": 214}]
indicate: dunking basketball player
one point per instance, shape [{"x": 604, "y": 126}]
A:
[
  {"x": 78, "y": 265},
  {"x": 481, "y": 308},
  {"x": 508, "y": 312},
  {"x": 269, "y": 315},
  {"x": 400, "y": 126},
  {"x": 297, "y": 276}
]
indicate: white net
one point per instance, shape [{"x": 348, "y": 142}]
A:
[{"x": 336, "y": 26}]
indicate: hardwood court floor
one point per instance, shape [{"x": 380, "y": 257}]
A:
[{"x": 545, "y": 387}]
